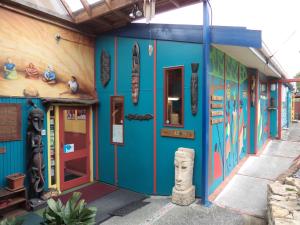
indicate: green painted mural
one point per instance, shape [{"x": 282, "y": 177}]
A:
[{"x": 228, "y": 138}]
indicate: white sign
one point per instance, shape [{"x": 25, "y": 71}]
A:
[
  {"x": 117, "y": 134},
  {"x": 68, "y": 148}
]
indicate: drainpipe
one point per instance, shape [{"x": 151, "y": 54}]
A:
[{"x": 205, "y": 101}]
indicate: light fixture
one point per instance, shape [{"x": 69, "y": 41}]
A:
[
  {"x": 135, "y": 12},
  {"x": 131, "y": 15},
  {"x": 173, "y": 98},
  {"x": 138, "y": 12}
]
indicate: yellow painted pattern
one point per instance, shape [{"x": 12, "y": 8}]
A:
[
  {"x": 49, "y": 152},
  {"x": 57, "y": 162},
  {"x": 91, "y": 146}
]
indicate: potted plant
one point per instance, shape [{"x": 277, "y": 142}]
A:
[{"x": 75, "y": 212}]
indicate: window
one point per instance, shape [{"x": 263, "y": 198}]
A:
[
  {"x": 263, "y": 89},
  {"x": 117, "y": 119},
  {"x": 173, "y": 98}
]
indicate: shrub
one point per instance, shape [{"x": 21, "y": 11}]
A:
[{"x": 75, "y": 212}]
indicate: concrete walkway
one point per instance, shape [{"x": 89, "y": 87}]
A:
[
  {"x": 247, "y": 191},
  {"x": 242, "y": 202}
]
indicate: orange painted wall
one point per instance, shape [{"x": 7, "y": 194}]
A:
[{"x": 26, "y": 40}]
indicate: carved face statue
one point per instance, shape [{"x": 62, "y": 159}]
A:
[
  {"x": 184, "y": 164},
  {"x": 36, "y": 118}
]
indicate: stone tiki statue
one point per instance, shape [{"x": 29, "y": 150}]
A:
[
  {"x": 184, "y": 190},
  {"x": 35, "y": 147}
]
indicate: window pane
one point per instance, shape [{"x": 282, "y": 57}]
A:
[
  {"x": 75, "y": 168},
  {"x": 74, "y": 5},
  {"x": 174, "y": 96},
  {"x": 94, "y": 1}
]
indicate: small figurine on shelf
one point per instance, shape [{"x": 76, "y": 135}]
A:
[
  {"x": 32, "y": 72},
  {"x": 49, "y": 75},
  {"x": 10, "y": 72},
  {"x": 73, "y": 86}
]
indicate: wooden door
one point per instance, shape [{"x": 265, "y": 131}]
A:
[{"x": 74, "y": 146}]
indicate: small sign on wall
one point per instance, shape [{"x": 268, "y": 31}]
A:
[
  {"x": 2, "y": 150},
  {"x": 189, "y": 134},
  {"x": 68, "y": 148}
]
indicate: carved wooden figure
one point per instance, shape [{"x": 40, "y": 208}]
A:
[
  {"x": 135, "y": 82},
  {"x": 105, "y": 68},
  {"x": 194, "y": 88},
  {"x": 35, "y": 146}
]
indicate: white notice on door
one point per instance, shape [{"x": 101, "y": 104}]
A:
[{"x": 117, "y": 133}]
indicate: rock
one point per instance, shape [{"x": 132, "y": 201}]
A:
[
  {"x": 282, "y": 189},
  {"x": 282, "y": 221},
  {"x": 296, "y": 215},
  {"x": 277, "y": 198},
  {"x": 289, "y": 205},
  {"x": 278, "y": 212},
  {"x": 293, "y": 182}
]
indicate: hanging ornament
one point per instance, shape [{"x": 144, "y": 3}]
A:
[{"x": 149, "y": 10}]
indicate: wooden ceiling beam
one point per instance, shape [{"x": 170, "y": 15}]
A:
[
  {"x": 67, "y": 7},
  {"x": 106, "y": 7},
  {"x": 116, "y": 12},
  {"x": 86, "y": 7},
  {"x": 175, "y": 3},
  {"x": 103, "y": 22}
]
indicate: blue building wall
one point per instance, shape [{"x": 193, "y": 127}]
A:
[
  {"x": 174, "y": 54},
  {"x": 15, "y": 158},
  {"x": 285, "y": 106},
  {"x": 135, "y": 158},
  {"x": 262, "y": 128},
  {"x": 274, "y": 112},
  {"x": 229, "y": 138}
]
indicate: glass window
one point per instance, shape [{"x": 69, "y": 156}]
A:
[
  {"x": 117, "y": 119},
  {"x": 173, "y": 102},
  {"x": 75, "y": 5},
  {"x": 263, "y": 89}
]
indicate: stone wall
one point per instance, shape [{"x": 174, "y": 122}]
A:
[{"x": 284, "y": 198}]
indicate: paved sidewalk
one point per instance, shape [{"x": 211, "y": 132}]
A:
[
  {"x": 243, "y": 200},
  {"x": 247, "y": 191},
  {"x": 161, "y": 211}
]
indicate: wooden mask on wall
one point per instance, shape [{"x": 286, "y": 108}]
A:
[
  {"x": 105, "y": 68},
  {"x": 135, "y": 79},
  {"x": 194, "y": 88}
]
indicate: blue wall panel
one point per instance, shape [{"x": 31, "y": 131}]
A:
[
  {"x": 15, "y": 158},
  {"x": 243, "y": 113},
  {"x": 284, "y": 109},
  {"x": 135, "y": 158},
  {"x": 273, "y": 113},
  {"x": 262, "y": 128},
  {"x": 106, "y": 149},
  {"x": 232, "y": 115},
  {"x": 175, "y": 54}
]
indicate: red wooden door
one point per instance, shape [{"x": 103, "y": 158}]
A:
[{"x": 74, "y": 136}]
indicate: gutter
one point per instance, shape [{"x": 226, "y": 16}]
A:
[{"x": 267, "y": 58}]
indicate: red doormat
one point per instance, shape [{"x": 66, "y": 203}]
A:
[{"x": 91, "y": 192}]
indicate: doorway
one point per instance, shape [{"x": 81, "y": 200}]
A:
[{"x": 74, "y": 146}]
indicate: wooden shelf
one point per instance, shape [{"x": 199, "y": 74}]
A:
[{"x": 12, "y": 200}]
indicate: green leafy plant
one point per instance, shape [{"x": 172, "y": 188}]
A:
[
  {"x": 11, "y": 221},
  {"x": 75, "y": 212}
]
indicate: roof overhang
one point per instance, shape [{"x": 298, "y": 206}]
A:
[{"x": 252, "y": 58}]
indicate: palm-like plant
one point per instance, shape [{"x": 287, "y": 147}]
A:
[
  {"x": 11, "y": 221},
  {"x": 75, "y": 212}
]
